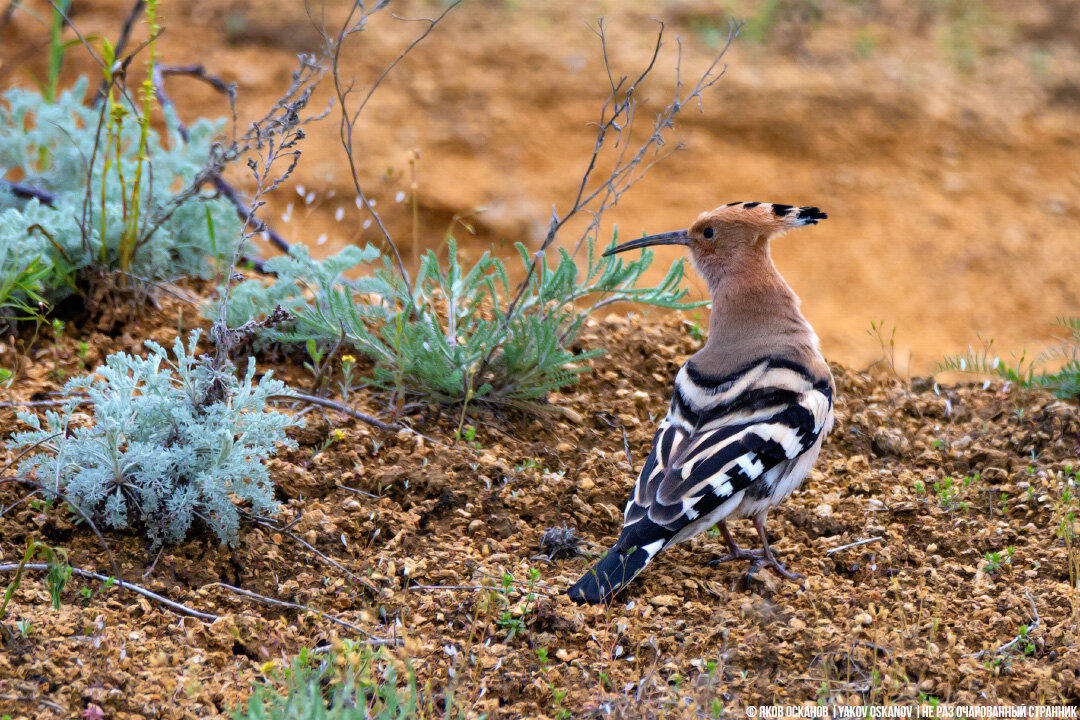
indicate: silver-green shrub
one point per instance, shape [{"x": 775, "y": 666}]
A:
[
  {"x": 456, "y": 334},
  {"x": 167, "y": 443},
  {"x": 299, "y": 281},
  {"x": 52, "y": 147}
]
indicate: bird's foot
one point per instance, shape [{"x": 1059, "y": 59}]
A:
[
  {"x": 738, "y": 553},
  {"x": 771, "y": 562}
]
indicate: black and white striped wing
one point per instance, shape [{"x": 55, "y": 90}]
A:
[{"x": 721, "y": 436}]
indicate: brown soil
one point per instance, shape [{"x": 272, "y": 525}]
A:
[
  {"x": 915, "y": 613},
  {"x": 942, "y": 138},
  {"x": 954, "y": 203}
]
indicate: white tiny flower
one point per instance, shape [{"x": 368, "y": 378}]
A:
[
  {"x": 359, "y": 203},
  {"x": 265, "y": 235},
  {"x": 371, "y": 202},
  {"x": 340, "y": 213},
  {"x": 310, "y": 198},
  {"x": 366, "y": 225},
  {"x": 399, "y": 197},
  {"x": 321, "y": 239},
  {"x": 300, "y": 190}
]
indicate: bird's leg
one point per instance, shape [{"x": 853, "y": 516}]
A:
[
  {"x": 734, "y": 551},
  {"x": 767, "y": 557}
]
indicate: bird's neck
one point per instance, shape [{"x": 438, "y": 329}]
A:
[{"x": 754, "y": 311}]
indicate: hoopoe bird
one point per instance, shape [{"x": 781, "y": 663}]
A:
[{"x": 750, "y": 409}]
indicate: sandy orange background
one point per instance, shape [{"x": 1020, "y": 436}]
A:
[{"x": 942, "y": 139}]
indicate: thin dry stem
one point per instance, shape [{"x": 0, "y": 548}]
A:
[
  {"x": 617, "y": 122},
  {"x": 355, "y": 22}
]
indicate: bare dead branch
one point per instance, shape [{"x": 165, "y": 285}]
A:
[
  {"x": 877, "y": 538},
  {"x": 171, "y": 604},
  {"x": 25, "y": 698},
  {"x": 372, "y": 640},
  {"x": 341, "y": 408},
  {"x": 617, "y": 122},
  {"x": 24, "y": 191},
  {"x": 268, "y": 142},
  {"x": 323, "y": 556}
]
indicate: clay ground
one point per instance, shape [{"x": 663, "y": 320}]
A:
[
  {"x": 944, "y": 145},
  {"x": 433, "y": 532}
]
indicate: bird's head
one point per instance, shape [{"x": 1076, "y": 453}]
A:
[{"x": 722, "y": 238}]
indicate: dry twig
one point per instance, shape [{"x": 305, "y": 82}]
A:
[
  {"x": 243, "y": 208},
  {"x": 1019, "y": 638},
  {"x": 855, "y": 544},
  {"x": 40, "y": 701},
  {"x": 372, "y": 640},
  {"x": 173, "y": 605},
  {"x": 326, "y": 558},
  {"x": 121, "y": 43},
  {"x": 616, "y": 121},
  {"x": 355, "y": 22}
]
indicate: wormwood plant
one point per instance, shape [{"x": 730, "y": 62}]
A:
[
  {"x": 169, "y": 443},
  {"x": 1063, "y": 379},
  {"x": 432, "y": 338},
  {"x": 299, "y": 281},
  {"x": 113, "y": 194},
  {"x": 455, "y": 334}
]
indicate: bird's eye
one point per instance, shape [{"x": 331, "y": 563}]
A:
[{"x": 708, "y": 233}]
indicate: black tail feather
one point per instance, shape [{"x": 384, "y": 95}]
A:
[{"x": 614, "y": 571}]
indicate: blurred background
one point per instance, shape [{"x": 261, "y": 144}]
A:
[{"x": 941, "y": 136}]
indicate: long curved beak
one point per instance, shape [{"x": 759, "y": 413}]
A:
[{"x": 678, "y": 237}]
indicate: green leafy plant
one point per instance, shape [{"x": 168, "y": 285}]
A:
[
  {"x": 297, "y": 278},
  {"x": 456, "y": 335},
  {"x": 21, "y": 284},
  {"x": 169, "y": 443},
  {"x": 995, "y": 561},
  {"x": 802, "y": 15},
  {"x": 949, "y": 492},
  {"x": 353, "y": 682},
  {"x": 1063, "y": 379},
  {"x": 1066, "y": 510},
  {"x": 887, "y": 342},
  {"x": 57, "y": 48},
  {"x": 58, "y": 569}
]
